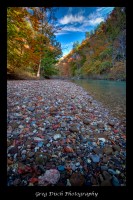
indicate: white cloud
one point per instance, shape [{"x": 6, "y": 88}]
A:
[
  {"x": 72, "y": 28},
  {"x": 96, "y": 21},
  {"x": 100, "y": 8},
  {"x": 61, "y": 32},
  {"x": 85, "y": 23},
  {"x": 71, "y": 19}
]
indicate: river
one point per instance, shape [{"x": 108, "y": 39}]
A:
[{"x": 111, "y": 93}]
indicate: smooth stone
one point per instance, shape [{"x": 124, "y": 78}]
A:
[
  {"x": 31, "y": 109},
  {"x": 117, "y": 171},
  {"x": 77, "y": 179},
  {"x": 95, "y": 158},
  {"x": 51, "y": 176},
  {"x": 106, "y": 175},
  {"x": 57, "y": 136},
  {"x": 102, "y": 139},
  {"x": 40, "y": 144},
  {"x": 48, "y": 145},
  {"x": 23, "y": 152},
  {"x": 73, "y": 167},
  {"x": 88, "y": 161},
  {"x": 36, "y": 149},
  {"x": 77, "y": 164},
  {"x": 86, "y": 121},
  {"x": 100, "y": 125},
  {"x": 111, "y": 171},
  {"x": 63, "y": 124},
  {"x": 101, "y": 178},
  {"x": 20, "y": 126},
  {"x": 116, "y": 147},
  {"x": 68, "y": 183},
  {"x": 111, "y": 123},
  {"x": 38, "y": 139},
  {"x": 61, "y": 168},
  {"x": 23, "y": 157},
  {"x": 74, "y": 129},
  {"x": 115, "y": 181},
  {"x": 108, "y": 150}
]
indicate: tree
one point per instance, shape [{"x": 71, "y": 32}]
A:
[
  {"x": 76, "y": 45},
  {"x": 29, "y": 35},
  {"x": 87, "y": 34}
]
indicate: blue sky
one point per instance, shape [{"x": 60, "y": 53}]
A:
[{"x": 75, "y": 21}]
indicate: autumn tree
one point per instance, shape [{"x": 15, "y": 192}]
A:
[{"x": 29, "y": 36}]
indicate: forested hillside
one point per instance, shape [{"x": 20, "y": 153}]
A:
[
  {"x": 32, "y": 49},
  {"x": 102, "y": 54}
]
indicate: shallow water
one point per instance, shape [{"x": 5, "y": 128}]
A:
[{"x": 111, "y": 93}]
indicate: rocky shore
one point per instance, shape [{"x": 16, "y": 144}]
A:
[{"x": 58, "y": 135}]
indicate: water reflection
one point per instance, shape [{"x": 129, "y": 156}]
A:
[{"x": 111, "y": 93}]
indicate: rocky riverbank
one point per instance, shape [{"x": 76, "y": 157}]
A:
[{"x": 57, "y": 134}]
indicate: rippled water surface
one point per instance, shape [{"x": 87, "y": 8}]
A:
[{"x": 111, "y": 93}]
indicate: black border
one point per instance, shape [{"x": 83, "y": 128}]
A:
[{"x": 29, "y": 192}]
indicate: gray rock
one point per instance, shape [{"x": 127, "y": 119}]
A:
[
  {"x": 108, "y": 150},
  {"x": 116, "y": 148},
  {"x": 107, "y": 175}
]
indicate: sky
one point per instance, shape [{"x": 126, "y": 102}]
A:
[{"x": 75, "y": 21}]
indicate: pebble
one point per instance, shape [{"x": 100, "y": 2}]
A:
[
  {"x": 31, "y": 109},
  {"x": 77, "y": 164},
  {"x": 95, "y": 158},
  {"x": 48, "y": 145},
  {"x": 111, "y": 171},
  {"x": 115, "y": 181},
  {"x": 86, "y": 121},
  {"x": 38, "y": 139},
  {"x": 51, "y": 176},
  {"x": 108, "y": 150},
  {"x": 57, "y": 136},
  {"x": 56, "y": 125},
  {"x": 77, "y": 179},
  {"x": 23, "y": 152},
  {"x": 61, "y": 168},
  {"x": 68, "y": 183},
  {"x": 74, "y": 129},
  {"x": 40, "y": 144},
  {"x": 88, "y": 160}
]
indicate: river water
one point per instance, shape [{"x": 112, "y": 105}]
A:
[{"x": 111, "y": 93}]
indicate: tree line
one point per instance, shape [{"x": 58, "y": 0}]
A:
[{"x": 103, "y": 51}]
